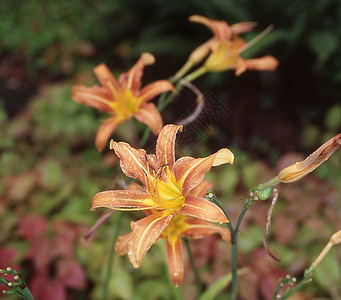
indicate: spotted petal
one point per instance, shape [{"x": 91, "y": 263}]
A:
[
  {"x": 149, "y": 115},
  {"x": 122, "y": 200},
  {"x": 189, "y": 172},
  {"x": 201, "y": 189},
  {"x": 175, "y": 261},
  {"x": 203, "y": 209},
  {"x": 165, "y": 145},
  {"x": 198, "y": 229},
  {"x": 145, "y": 233},
  {"x": 133, "y": 162}
]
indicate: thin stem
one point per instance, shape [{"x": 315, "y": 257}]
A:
[
  {"x": 119, "y": 220},
  {"x": 234, "y": 249},
  {"x": 234, "y": 239},
  {"x": 194, "y": 268},
  {"x": 229, "y": 225}
]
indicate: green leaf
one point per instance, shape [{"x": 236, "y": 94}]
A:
[
  {"x": 212, "y": 292},
  {"x": 324, "y": 44},
  {"x": 333, "y": 118}
]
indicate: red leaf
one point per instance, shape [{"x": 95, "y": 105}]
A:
[
  {"x": 71, "y": 274},
  {"x": 55, "y": 290},
  {"x": 32, "y": 226}
]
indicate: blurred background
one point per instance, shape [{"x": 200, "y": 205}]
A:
[{"x": 50, "y": 168}]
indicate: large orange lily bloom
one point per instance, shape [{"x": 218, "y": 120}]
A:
[
  {"x": 123, "y": 99},
  {"x": 225, "y": 48},
  {"x": 169, "y": 187}
]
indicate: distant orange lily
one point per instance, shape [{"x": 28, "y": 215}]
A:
[
  {"x": 123, "y": 99},
  {"x": 225, "y": 48},
  {"x": 169, "y": 187}
]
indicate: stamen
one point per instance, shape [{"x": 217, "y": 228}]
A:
[{"x": 256, "y": 39}]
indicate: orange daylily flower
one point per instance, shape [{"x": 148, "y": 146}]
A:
[
  {"x": 169, "y": 188},
  {"x": 123, "y": 98},
  {"x": 225, "y": 48},
  {"x": 180, "y": 226}
]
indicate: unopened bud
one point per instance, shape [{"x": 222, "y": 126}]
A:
[
  {"x": 300, "y": 169},
  {"x": 336, "y": 238}
]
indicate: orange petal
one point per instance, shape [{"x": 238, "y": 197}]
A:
[
  {"x": 242, "y": 27},
  {"x": 121, "y": 246},
  {"x": 132, "y": 79},
  {"x": 198, "y": 229},
  {"x": 202, "y": 209},
  {"x": 201, "y": 189},
  {"x": 265, "y": 63},
  {"x": 122, "y": 200},
  {"x": 165, "y": 145},
  {"x": 190, "y": 171},
  {"x": 95, "y": 96},
  {"x": 105, "y": 130},
  {"x": 149, "y": 115},
  {"x": 133, "y": 162},
  {"x": 175, "y": 261},
  {"x": 220, "y": 29},
  {"x": 135, "y": 187},
  {"x": 155, "y": 88},
  {"x": 145, "y": 233},
  {"x": 105, "y": 77},
  {"x": 241, "y": 66}
]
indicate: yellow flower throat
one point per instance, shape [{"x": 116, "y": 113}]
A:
[{"x": 125, "y": 103}]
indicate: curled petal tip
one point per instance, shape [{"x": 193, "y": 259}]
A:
[
  {"x": 148, "y": 58},
  {"x": 223, "y": 156}
]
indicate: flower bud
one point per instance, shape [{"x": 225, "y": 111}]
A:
[{"x": 300, "y": 169}]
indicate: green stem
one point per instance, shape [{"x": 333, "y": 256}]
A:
[
  {"x": 229, "y": 225},
  {"x": 194, "y": 268},
  {"x": 26, "y": 291},
  {"x": 112, "y": 253},
  {"x": 194, "y": 75},
  {"x": 234, "y": 248}
]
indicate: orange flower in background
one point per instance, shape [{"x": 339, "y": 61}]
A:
[
  {"x": 123, "y": 98},
  {"x": 169, "y": 187},
  {"x": 225, "y": 48}
]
